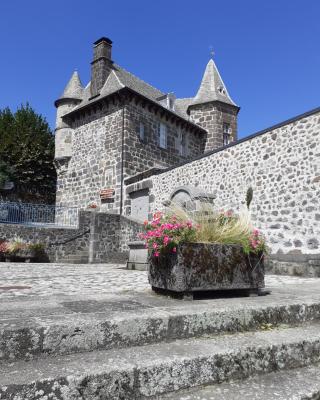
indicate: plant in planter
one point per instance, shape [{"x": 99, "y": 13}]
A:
[
  {"x": 3, "y": 249},
  {"x": 19, "y": 250},
  {"x": 204, "y": 250}
]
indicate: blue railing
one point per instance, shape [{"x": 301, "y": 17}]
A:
[{"x": 38, "y": 214}]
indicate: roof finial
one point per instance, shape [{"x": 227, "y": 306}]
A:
[{"x": 211, "y": 51}]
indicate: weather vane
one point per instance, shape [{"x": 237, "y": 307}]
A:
[{"x": 211, "y": 51}]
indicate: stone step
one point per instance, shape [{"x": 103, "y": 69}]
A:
[
  {"x": 296, "y": 384},
  {"x": 74, "y": 259},
  {"x": 125, "y": 322},
  {"x": 154, "y": 370}
]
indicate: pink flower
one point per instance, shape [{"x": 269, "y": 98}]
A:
[
  {"x": 145, "y": 223},
  {"x": 155, "y": 245},
  {"x": 156, "y": 254},
  {"x": 256, "y": 232},
  {"x": 174, "y": 250},
  {"x": 166, "y": 240}
]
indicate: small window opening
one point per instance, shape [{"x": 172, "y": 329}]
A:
[{"x": 226, "y": 133}]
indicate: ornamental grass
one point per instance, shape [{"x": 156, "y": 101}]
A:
[{"x": 206, "y": 225}]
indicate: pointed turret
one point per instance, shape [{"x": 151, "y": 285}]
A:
[
  {"x": 70, "y": 98},
  {"x": 212, "y": 87},
  {"x": 73, "y": 90},
  {"x": 213, "y": 109}
]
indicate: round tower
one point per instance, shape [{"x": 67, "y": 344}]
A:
[
  {"x": 213, "y": 109},
  {"x": 70, "y": 98}
]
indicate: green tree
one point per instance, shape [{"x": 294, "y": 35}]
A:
[
  {"x": 27, "y": 149},
  {"x": 6, "y": 173}
]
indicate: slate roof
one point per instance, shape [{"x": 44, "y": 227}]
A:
[
  {"x": 212, "y": 87},
  {"x": 118, "y": 79},
  {"x": 181, "y": 106},
  {"x": 74, "y": 88}
]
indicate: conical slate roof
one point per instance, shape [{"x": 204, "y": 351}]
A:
[
  {"x": 212, "y": 87},
  {"x": 74, "y": 88}
]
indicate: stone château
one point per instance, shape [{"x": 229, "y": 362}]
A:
[{"x": 118, "y": 126}]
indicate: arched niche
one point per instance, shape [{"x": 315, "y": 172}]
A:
[{"x": 189, "y": 197}]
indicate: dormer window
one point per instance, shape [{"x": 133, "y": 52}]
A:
[
  {"x": 226, "y": 133},
  {"x": 221, "y": 90},
  {"x": 167, "y": 101},
  {"x": 170, "y": 103}
]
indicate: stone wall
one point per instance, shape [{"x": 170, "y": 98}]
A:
[
  {"x": 98, "y": 161},
  {"x": 60, "y": 243},
  {"x": 100, "y": 238},
  {"x": 281, "y": 164},
  {"x": 95, "y": 161},
  {"x": 211, "y": 116},
  {"x": 111, "y": 237},
  {"x": 142, "y": 155}
]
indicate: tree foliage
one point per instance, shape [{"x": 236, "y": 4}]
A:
[{"x": 27, "y": 154}]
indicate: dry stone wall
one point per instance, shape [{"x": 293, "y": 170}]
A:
[{"x": 282, "y": 165}]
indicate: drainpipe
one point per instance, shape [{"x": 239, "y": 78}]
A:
[{"x": 122, "y": 161}]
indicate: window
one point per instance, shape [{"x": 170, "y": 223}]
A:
[
  {"x": 226, "y": 133},
  {"x": 163, "y": 135},
  {"x": 141, "y": 131},
  {"x": 182, "y": 143}
]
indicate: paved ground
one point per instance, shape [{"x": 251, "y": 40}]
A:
[
  {"x": 50, "y": 280},
  {"x": 44, "y": 290}
]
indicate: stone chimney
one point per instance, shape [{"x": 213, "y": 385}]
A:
[{"x": 101, "y": 65}]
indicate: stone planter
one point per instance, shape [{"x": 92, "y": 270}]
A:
[
  {"x": 26, "y": 256},
  {"x": 20, "y": 256},
  {"x": 206, "y": 267}
]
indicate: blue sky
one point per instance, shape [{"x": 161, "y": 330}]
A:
[{"x": 267, "y": 51}]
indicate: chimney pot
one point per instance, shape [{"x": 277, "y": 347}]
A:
[{"x": 101, "y": 65}]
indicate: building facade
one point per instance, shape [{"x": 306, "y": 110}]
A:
[{"x": 119, "y": 126}]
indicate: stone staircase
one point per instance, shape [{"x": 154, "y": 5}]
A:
[
  {"x": 266, "y": 350},
  {"x": 81, "y": 257}
]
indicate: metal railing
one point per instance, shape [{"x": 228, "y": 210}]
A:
[{"x": 38, "y": 215}]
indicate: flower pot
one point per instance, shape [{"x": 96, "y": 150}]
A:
[{"x": 206, "y": 267}]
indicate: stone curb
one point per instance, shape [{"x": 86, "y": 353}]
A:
[
  {"x": 88, "y": 332},
  {"x": 310, "y": 269},
  {"x": 152, "y": 370}
]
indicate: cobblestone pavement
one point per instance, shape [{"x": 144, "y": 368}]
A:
[{"x": 46, "y": 280}]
